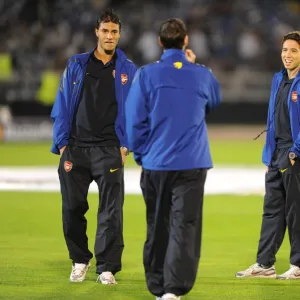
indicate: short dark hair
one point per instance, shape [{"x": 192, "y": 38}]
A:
[
  {"x": 172, "y": 33},
  {"x": 108, "y": 16},
  {"x": 293, "y": 35}
]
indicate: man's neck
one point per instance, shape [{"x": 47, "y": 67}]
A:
[
  {"x": 104, "y": 57},
  {"x": 292, "y": 73}
]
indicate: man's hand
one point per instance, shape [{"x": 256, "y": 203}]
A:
[
  {"x": 190, "y": 56},
  {"x": 123, "y": 154},
  {"x": 267, "y": 170},
  {"x": 61, "y": 150},
  {"x": 292, "y": 162}
]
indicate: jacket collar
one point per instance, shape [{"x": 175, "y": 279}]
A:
[
  {"x": 171, "y": 52},
  {"x": 284, "y": 71}
]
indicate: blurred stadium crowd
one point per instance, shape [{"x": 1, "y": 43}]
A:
[{"x": 239, "y": 40}]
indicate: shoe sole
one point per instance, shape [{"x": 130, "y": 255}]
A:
[
  {"x": 259, "y": 276},
  {"x": 77, "y": 280},
  {"x": 107, "y": 283},
  {"x": 287, "y": 278}
]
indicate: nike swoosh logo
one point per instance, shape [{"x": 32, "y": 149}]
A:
[
  {"x": 113, "y": 170},
  {"x": 282, "y": 171}
]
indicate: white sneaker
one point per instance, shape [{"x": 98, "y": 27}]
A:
[
  {"x": 78, "y": 272},
  {"x": 257, "y": 271},
  {"x": 158, "y": 298},
  {"x": 106, "y": 278},
  {"x": 292, "y": 273},
  {"x": 169, "y": 296}
]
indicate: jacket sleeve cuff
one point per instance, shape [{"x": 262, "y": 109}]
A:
[
  {"x": 138, "y": 159},
  {"x": 54, "y": 149},
  {"x": 124, "y": 144},
  {"x": 62, "y": 144}
]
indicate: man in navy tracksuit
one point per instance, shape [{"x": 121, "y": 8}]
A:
[
  {"x": 89, "y": 134},
  {"x": 282, "y": 180},
  {"x": 166, "y": 129}
]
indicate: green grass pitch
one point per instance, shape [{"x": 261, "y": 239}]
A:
[
  {"x": 38, "y": 154},
  {"x": 35, "y": 264}
]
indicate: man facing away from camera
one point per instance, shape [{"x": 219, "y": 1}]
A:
[
  {"x": 89, "y": 134},
  {"x": 282, "y": 180},
  {"x": 165, "y": 122}
]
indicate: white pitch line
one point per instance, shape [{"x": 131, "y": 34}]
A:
[{"x": 220, "y": 180}]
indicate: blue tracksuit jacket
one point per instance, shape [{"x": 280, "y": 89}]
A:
[
  {"x": 294, "y": 112},
  {"x": 165, "y": 113},
  {"x": 68, "y": 96}
]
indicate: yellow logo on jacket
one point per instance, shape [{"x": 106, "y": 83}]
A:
[{"x": 178, "y": 64}]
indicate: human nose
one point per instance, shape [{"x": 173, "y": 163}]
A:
[{"x": 288, "y": 54}]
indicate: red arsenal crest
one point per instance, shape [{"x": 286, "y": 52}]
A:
[
  {"x": 68, "y": 166},
  {"x": 124, "y": 78},
  {"x": 294, "y": 96}
]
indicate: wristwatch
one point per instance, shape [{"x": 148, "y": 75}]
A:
[
  {"x": 126, "y": 150},
  {"x": 292, "y": 155}
]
